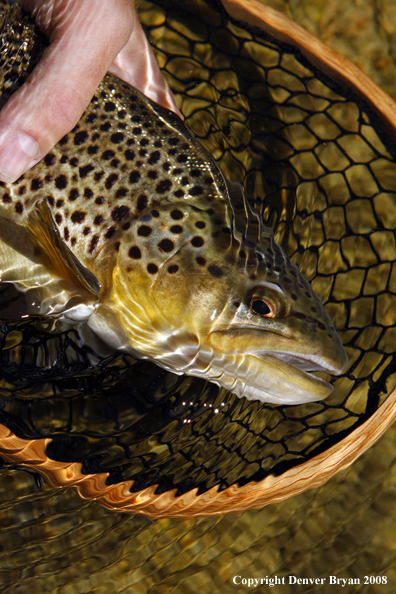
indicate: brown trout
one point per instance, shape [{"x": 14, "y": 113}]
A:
[{"x": 129, "y": 226}]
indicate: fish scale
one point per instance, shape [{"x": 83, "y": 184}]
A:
[{"x": 129, "y": 227}]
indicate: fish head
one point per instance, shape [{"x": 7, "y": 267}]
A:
[{"x": 244, "y": 318}]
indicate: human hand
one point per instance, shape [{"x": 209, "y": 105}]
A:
[{"x": 87, "y": 39}]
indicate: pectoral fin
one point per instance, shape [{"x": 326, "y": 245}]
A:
[{"x": 54, "y": 254}]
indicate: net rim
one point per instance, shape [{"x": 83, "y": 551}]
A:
[
  {"x": 31, "y": 454},
  {"x": 320, "y": 55}
]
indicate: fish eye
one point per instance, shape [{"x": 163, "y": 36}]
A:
[{"x": 262, "y": 307}]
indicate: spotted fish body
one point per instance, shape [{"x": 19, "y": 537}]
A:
[{"x": 130, "y": 226}]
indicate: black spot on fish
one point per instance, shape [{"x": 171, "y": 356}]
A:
[
  {"x": 99, "y": 200},
  {"x": 145, "y": 218},
  {"x": 98, "y": 220},
  {"x": 36, "y": 184},
  {"x": 182, "y": 158},
  {"x": 91, "y": 118},
  {"x": 163, "y": 186},
  {"x": 176, "y": 215},
  {"x": 152, "y": 268},
  {"x": 136, "y": 118},
  {"x": 80, "y": 137},
  {"x": 114, "y": 163},
  {"x": 73, "y": 241},
  {"x": 144, "y": 231},
  {"x": 111, "y": 180},
  {"x": 287, "y": 280},
  {"x": 108, "y": 155},
  {"x": 105, "y": 127},
  {"x": 60, "y": 203},
  {"x": 195, "y": 172},
  {"x": 117, "y": 137},
  {"x": 92, "y": 150},
  {"x": 176, "y": 229},
  {"x": 142, "y": 202},
  {"x": 110, "y": 232},
  {"x": 144, "y": 142},
  {"x": 135, "y": 253},
  {"x": 134, "y": 177},
  {"x": 179, "y": 193},
  {"x": 109, "y": 106},
  {"x": 78, "y": 216},
  {"x": 51, "y": 201},
  {"x": 152, "y": 174},
  {"x": 7, "y": 199},
  {"x": 201, "y": 261},
  {"x": 294, "y": 297},
  {"x": 142, "y": 152},
  {"x": 313, "y": 309},
  {"x": 154, "y": 157},
  {"x": 86, "y": 230},
  {"x": 117, "y": 246},
  {"x": 19, "y": 207},
  {"x": 94, "y": 243},
  {"x": 120, "y": 213},
  {"x": 226, "y": 230},
  {"x": 200, "y": 225},
  {"x": 195, "y": 191},
  {"x": 85, "y": 170},
  {"x": 173, "y": 268},
  {"x": 66, "y": 233},
  {"x": 155, "y": 213},
  {"x": 137, "y": 131},
  {"x": 49, "y": 159},
  {"x": 22, "y": 190},
  {"x": 73, "y": 194},
  {"x": 129, "y": 155},
  {"x": 166, "y": 166},
  {"x": 88, "y": 193},
  {"x": 121, "y": 192},
  {"x": 158, "y": 143},
  {"x": 172, "y": 152},
  {"x": 173, "y": 141},
  {"x": 166, "y": 245},
  {"x": 197, "y": 241},
  {"x": 215, "y": 271},
  {"x": 185, "y": 181},
  {"x": 307, "y": 294}
]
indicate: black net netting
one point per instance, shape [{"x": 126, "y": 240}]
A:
[{"x": 320, "y": 168}]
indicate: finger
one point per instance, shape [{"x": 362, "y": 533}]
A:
[
  {"x": 85, "y": 41},
  {"x": 136, "y": 64}
]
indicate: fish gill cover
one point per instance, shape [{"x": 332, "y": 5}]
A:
[{"x": 317, "y": 166}]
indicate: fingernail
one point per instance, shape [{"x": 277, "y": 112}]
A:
[{"x": 17, "y": 152}]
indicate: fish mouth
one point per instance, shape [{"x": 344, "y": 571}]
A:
[{"x": 309, "y": 363}]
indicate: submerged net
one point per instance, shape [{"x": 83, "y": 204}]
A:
[{"x": 320, "y": 169}]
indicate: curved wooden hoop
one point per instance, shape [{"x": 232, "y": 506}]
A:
[
  {"x": 320, "y": 55},
  {"x": 235, "y": 499}
]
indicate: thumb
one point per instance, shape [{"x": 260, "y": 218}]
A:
[{"x": 49, "y": 104}]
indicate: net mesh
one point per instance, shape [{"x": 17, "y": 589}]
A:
[{"x": 320, "y": 169}]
